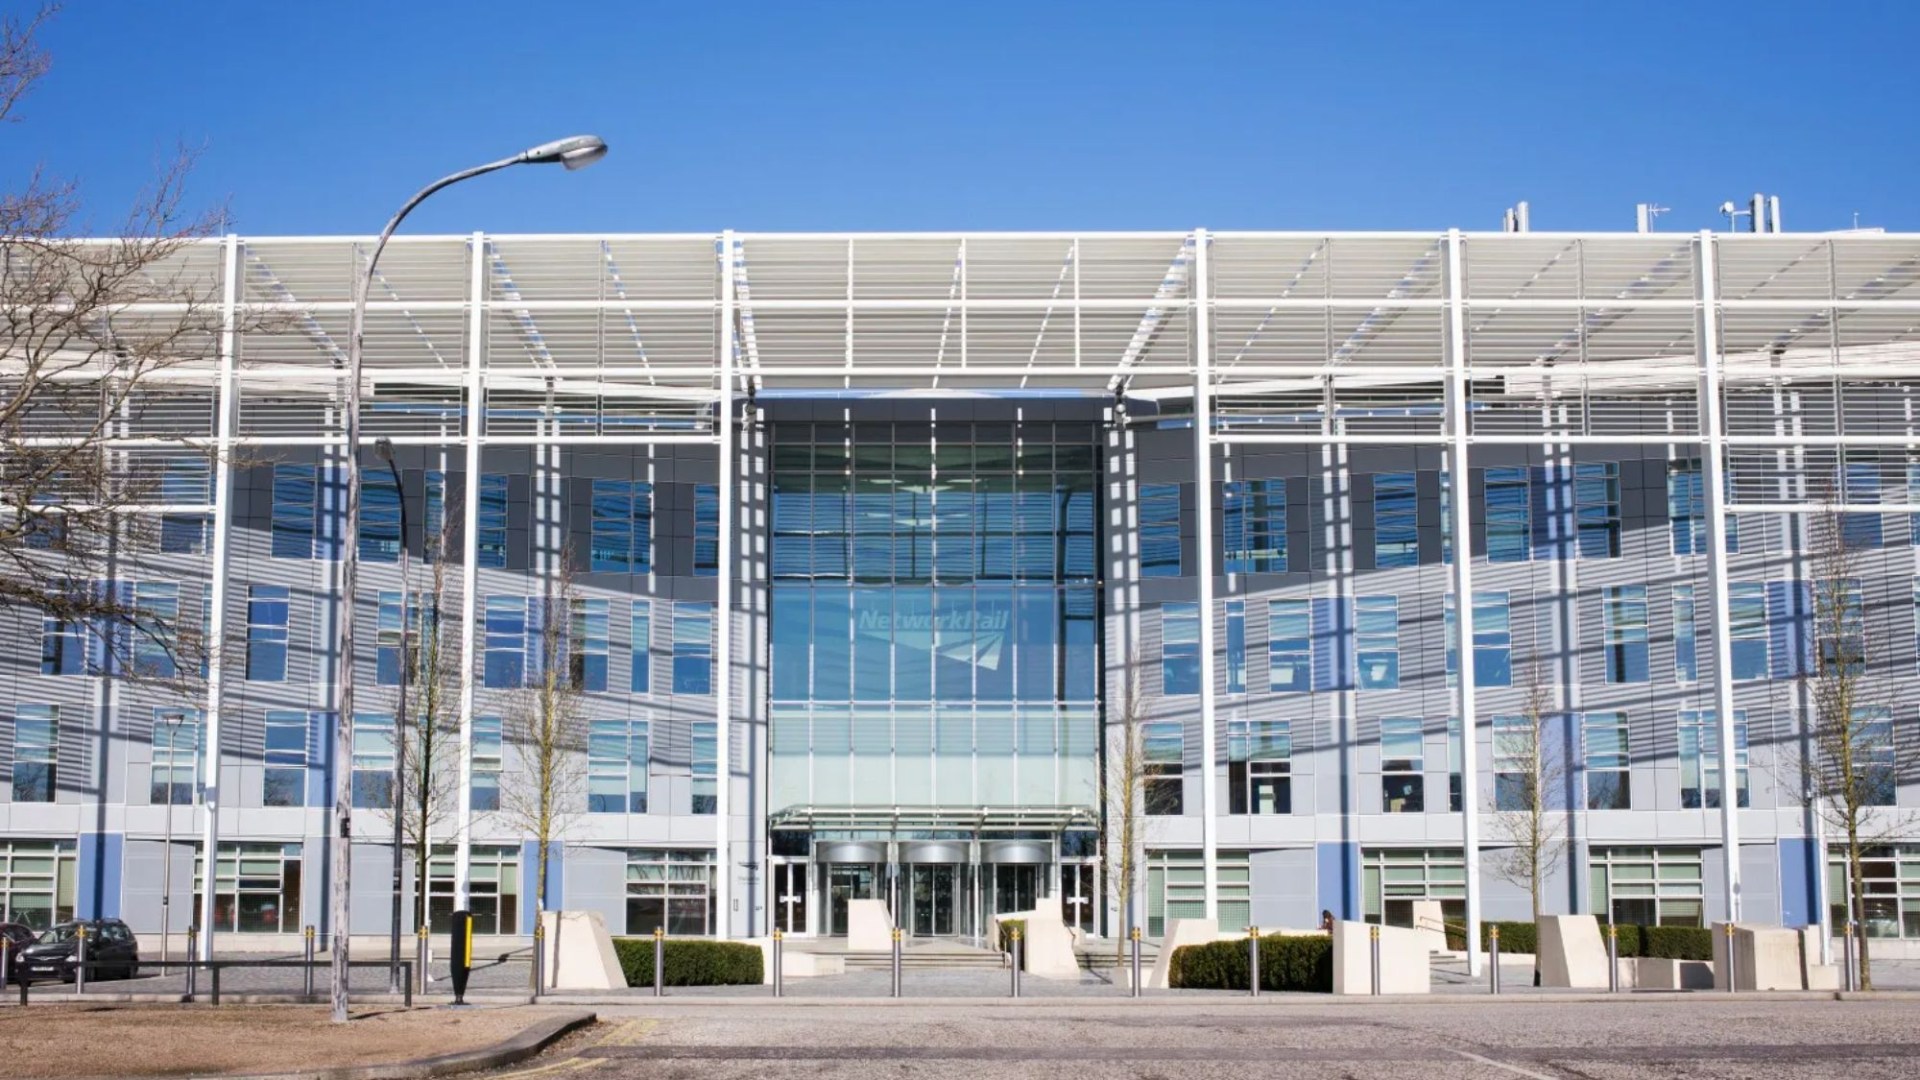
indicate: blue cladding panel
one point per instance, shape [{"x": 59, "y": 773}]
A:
[
  {"x": 1799, "y": 882},
  {"x": 1338, "y": 878},
  {"x": 100, "y": 856}
]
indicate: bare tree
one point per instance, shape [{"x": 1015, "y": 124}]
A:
[
  {"x": 1528, "y": 767},
  {"x": 100, "y": 345},
  {"x": 1848, "y": 767},
  {"x": 545, "y": 723},
  {"x": 1123, "y": 795}
]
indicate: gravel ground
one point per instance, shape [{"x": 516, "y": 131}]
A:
[
  {"x": 56, "y": 1041},
  {"x": 1539, "y": 1038}
]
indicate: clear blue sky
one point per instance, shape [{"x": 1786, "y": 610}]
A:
[{"x": 322, "y": 117}]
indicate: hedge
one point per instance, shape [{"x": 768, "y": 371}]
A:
[
  {"x": 1661, "y": 942},
  {"x": 691, "y": 962},
  {"x": 1303, "y": 963}
]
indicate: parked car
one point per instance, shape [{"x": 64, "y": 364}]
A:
[
  {"x": 18, "y": 936},
  {"x": 112, "y": 952}
]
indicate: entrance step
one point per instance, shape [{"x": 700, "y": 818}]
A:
[{"x": 922, "y": 960}]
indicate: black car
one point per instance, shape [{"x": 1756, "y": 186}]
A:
[
  {"x": 112, "y": 952},
  {"x": 18, "y": 936}
]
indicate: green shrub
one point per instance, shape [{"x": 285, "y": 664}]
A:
[
  {"x": 1677, "y": 942},
  {"x": 1515, "y": 937},
  {"x": 691, "y": 962},
  {"x": 1303, "y": 963}
]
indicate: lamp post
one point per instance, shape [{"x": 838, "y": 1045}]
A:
[
  {"x": 384, "y": 447},
  {"x": 576, "y": 152},
  {"x": 173, "y": 719}
]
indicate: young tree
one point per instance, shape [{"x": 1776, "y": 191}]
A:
[
  {"x": 1528, "y": 768},
  {"x": 1848, "y": 765},
  {"x": 1123, "y": 796},
  {"x": 89, "y": 404},
  {"x": 545, "y": 722}
]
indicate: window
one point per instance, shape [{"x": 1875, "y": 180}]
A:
[
  {"x": 1259, "y": 767},
  {"x": 1378, "y": 646},
  {"x": 1179, "y": 649},
  {"x": 1254, "y": 526},
  {"x": 185, "y": 480},
  {"x": 706, "y": 530},
  {"x": 1509, "y": 526},
  {"x": 1647, "y": 886},
  {"x": 284, "y": 781},
  {"x": 1596, "y": 502},
  {"x": 1873, "y": 755},
  {"x": 420, "y": 624},
  {"x": 1608, "y": 786},
  {"x": 379, "y": 516},
  {"x": 705, "y": 759},
  {"x": 1861, "y": 485},
  {"x": 493, "y": 889},
  {"x": 295, "y": 502},
  {"x": 36, "y": 748},
  {"x": 490, "y": 544},
  {"x": 1699, "y": 741},
  {"x": 1236, "y": 646},
  {"x": 692, "y": 648},
  {"x": 488, "y": 763},
  {"x": 63, "y": 647},
  {"x": 175, "y": 776},
  {"x": 1515, "y": 776},
  {"x": 1391, "y": 879},
  {"x": 1289, "y": 645},
  {"x": 268, "y": 612},
  {"x": 1492, "y": 640},
  {"x": 641, "y": 675},
  {"x": 622, "y": 540},
  {"x": 1686, "y": 641},
  {"x": 617, "y": 767},
  {"x": 1623, "y": 611},
  {"x": 1446, "y": 517},
  {"x": 1747, "y": 629},
  {"x": 1687, "y": 510},
  {"x": 1396, "y": 534},
  {"x": 1891, "y": 906},
  {"x": 1159, "y": 530},
  {"x": 156, "y": 628},
  {"x": 256, "y": 888},
  {"x": 436, "y": 514},
  {"x": 1840, "y": 622},
  {"x": 1456, "y": 756},
  {"x": 1163, "y": 744},
  {"x": 588, "y": 645},
  {"x": 1176, "y": 886},
  {"x": 373, "y": 750},
  {"x": 507, "y": 638},
  {"x": 1402, "y": 765},
  {"x": 670, "y": 890},
  {"x": 38, "y": 880}
]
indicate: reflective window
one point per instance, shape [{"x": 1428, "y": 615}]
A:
[
  {"x": 1164, "y": 747},
  {"x": 1492, "y": 639},
  {"x": 1396, "y": 535},
  {"x": 617, "y": 767},
  {"x": 373, "y": 750},
  {"x": 692, "y": 648},
  {"x": 622, "y": 539},
  {"x": 295, "y": 498},
  {"x": 155, "y": 630},
  {"x": 491, "y": 541},
  {"x": 706, "y": 530},
  {"x": 1623, "y": 612},
  {"x": 176, "y": 757},
  {"x": 379, "y": 516},
  {"x": 1160, "y": 530},
  {"x": 1596, "y": 503},
  {"x": 1861, "y": 485},
  {"x": 284, "y": 782},
  {"x": 268, "y": 610},
  {"x": 186, "y": 479},
  {"x": 1377, "y": 650},
  {"x": 1686, "y": 648},
  {"x": 705, "y": 760},
  {"x": 36, "y": 747},
  {"x": 508, "y": 635},
  {"x": 1259, "y": 767},
  {"x": 1508, "y": 516},
  {"x": 589, "y": 638},
  {"x": 1402, "y": 766},
  {"x": 1236, "y": 646},
  {"x": 488, "y": 762},
  {"x": 1254, "y": 526},
  {"x": 1747, "y": 629},
  {"x": 640, "y": 675},
  {"x": 1289, "y": 645},
  {"x": 1699, "y": 742},
  {"x": 1179, "y": 649},
  {"x": 1607, "y": 761}
]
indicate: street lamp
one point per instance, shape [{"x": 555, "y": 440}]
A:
[
  {"x": 384, "y": 447},
  {"x": 576, "y": 152},
  {"x": 172, "y": 718}
]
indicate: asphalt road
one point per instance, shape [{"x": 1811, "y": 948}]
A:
[{"x": 1566, "y": 1040}]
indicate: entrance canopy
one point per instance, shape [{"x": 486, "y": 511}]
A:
[{"x": 935, "y": 817}]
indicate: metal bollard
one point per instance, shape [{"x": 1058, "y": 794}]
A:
[
  {"x": 307, "y": 988},
  {"x": 1493, "y": 958},
  {"x": 779, "y": 969},
  {"x": 1135, "y": 935},
  {"x": 423, "y": 957},
  {"x": 1733, "y": 961},
  {"x": 1852, "y": 973},
  {"x": 1253, "y": 961},
  {"x": 1017, "y": 959},
  {"x": 80, "y": 959},
  {"x": 537, "y": 974},
  {"x": 1374, "y": 937},
  {"x": 896, "y": 962},
  {"x": 659, "y": 962},
  {"x": 1613, "y": 958},
  {"x": 193, "y": 961}
]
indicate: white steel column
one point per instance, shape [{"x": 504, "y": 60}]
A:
[
  {"x": 723, "y": 605},
  {"x": 1459, "y": 508},
  {"x": 470, "y": 563},
  {"x": 1203, "y": 542},
  {"x": 216, "y": 628},
  {"x": 1713, "y": 477}
]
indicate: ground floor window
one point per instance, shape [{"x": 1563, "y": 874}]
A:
[
  {"x": 1391, "y": 879},
  {"x": 1891, "y": 907},
  {"x": 1177, "y": 888},
  {"x": 493, "y": 889},
  {"x": 1648, "y": 886},
  {"x": 37, "y": 881},
  {"x": 670, "y": 889},
  {"x": 256, "y": 888}
]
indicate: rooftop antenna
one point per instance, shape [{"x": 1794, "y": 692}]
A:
[
  {"x": 1734, "y": 213},
  {"x": 1516, "y": 219},
  {"x": 1644, "y": 213}
]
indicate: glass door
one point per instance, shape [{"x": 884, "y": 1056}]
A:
[
  {"x": 1015, "y": 888},
  {"x": 848, "y": 881},
  {"x": 790, "y": 897},
  {"x": 935, "y": 889},
  {"x": 1078, "y": 903}
]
